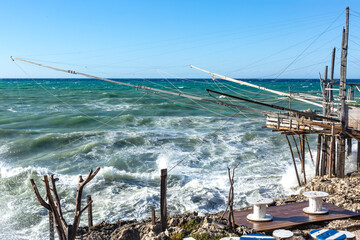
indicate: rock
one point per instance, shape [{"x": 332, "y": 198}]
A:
[
  {"x": 126, "y": 234},
  {"x": 173, "y": 222}
]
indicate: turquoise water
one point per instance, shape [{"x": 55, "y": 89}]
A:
[{"x": 68, "y": 126}]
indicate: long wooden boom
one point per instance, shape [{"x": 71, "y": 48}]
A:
[
  {"x": 275, "y": 106},
  {"x": 142, "y": 87},
  {"x": 258, "y": 87}
]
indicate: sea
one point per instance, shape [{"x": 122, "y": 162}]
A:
[{"x": 66, "y": 127}]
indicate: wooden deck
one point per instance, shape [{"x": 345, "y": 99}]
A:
[{"x": 291, "y": 215}]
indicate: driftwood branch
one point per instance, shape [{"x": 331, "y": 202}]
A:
[
  {"x": 80, "y": 188},
  {"x": 89, "y": 203},
  {"x": 57, "y": 199},
  {"x": 65, "y": 231},
  {"x": 230, "y": 202},
  {"x": 39, "y": 198},
  {"x": 61, "y": 226}
]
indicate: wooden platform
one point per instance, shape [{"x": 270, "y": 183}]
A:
[{"x": 290, "y": 215}]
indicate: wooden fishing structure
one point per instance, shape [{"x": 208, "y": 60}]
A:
[{"x": 336, "y": 125}]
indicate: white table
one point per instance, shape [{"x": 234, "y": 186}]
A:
[
  {"x": 315, "y": 202},
  {"x": 259, "y": 212},
  {"x": 282, "y": 234}
]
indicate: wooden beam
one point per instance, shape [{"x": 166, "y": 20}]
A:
[
  {"x": 275, "y": 106},
  {"x": 293, "y": 159}
]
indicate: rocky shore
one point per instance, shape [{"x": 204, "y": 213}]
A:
[{"x": 344, "y": 193}]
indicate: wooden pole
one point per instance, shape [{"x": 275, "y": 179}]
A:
[
  {"x": 290, "y": 99},
  {"x": 302, "y": 138},
  {"x": 51, "y": 225},
  {"x": 153, "y": 217},
  {"x": 323, "y": 157},
  {"x": 326, "y": 97},
  {"x": 342, "y": 96},
  {"x": 318, "y": 152},
  {"x": 293, "y": 159},
  {"x": 343, "y": 66},
  {"x": 307, "y": 143},
  {"x": 331, "y": 97},
  {"x": 90, "y": 216},
  {"x": 349, "y": 146},
  {"x": 163, "y": 205},
  {"x": 341, "y": 158},
  {"x": 301, "y": 161},
  {"x": 332, "y": 145}
]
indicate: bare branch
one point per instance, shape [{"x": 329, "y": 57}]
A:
[
  {"x": 80, "y": 188},
  {"x": 86, "y": 207},
  {"x": 59, "y": 222},
  {"x": 38, "y": 196},
  {"x": 57, "y": 199}
]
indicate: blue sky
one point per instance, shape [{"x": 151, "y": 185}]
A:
[{"x": 159, "y": 39}]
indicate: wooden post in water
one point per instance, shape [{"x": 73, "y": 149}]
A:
[
  {"x": 51, "y": 226},
  {"x": 318, "y": 152},
  {"x": 292, "y": 155},
  {"x": 153, "y": 217},
  {"x": 300, "y": 157},
  {"x": 163, "y": 204},
  {"x": 308, "y": 145},
  {"x": 90, "y": 217}
]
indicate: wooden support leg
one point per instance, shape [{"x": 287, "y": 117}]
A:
[
  {"x": 292, "y": 155},
  {"x": 300, "y": 157},
  {"x": 317, "y": 165},
  {"x": 323, "y": 157},
  {"x": 349, "y": 146},
  {"x": 332, "y": 152},
  {"x": 341, "y": 158}
]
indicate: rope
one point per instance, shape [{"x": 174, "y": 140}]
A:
[{"x": 322, "y": 33}]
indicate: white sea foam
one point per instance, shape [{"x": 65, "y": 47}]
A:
[{"x": 11, "y": 110}]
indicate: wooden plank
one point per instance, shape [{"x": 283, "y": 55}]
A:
[{"x": 291, "y": 215}]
